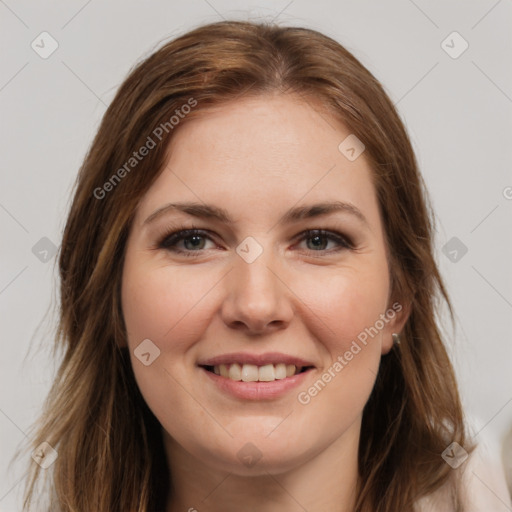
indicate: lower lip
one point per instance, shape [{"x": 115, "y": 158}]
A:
[{"x": 257, "y": 390}]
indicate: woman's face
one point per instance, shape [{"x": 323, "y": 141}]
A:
[{"x": 253, "y": 291}]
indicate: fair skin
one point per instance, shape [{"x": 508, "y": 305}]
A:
[{"x": 304, "y": 297}]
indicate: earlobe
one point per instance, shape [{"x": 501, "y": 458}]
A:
[
  {"x": 387, "y": 346},
  {"x": 392, "y": 336}
]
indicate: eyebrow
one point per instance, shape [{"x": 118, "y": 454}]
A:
[{"x": 295, "y": 214}]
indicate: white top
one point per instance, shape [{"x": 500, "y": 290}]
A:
[{"x": 485, "y": 486}]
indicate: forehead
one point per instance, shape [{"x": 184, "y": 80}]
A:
[{"x": 262, "y": 154}]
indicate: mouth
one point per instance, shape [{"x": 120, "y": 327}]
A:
[
  {"x": 251, "y": 376},
  {"x": 246, "y": 372}
]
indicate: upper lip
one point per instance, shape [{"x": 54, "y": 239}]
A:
[{"x": 256, "y": 359}]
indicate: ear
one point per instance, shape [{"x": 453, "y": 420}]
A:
[{"x": 396, "y": 315}]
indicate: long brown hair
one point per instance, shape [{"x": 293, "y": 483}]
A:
[{"x": 109, "y": 444}]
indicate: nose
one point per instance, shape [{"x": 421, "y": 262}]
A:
[{"x": 257, "y": 299}]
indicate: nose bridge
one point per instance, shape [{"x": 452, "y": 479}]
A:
[{"x": 256, "y": 296}]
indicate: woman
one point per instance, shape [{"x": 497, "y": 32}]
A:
[{"x": 249, "y": 292}]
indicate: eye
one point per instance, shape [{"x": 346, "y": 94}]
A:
[
  {"x": 190, "y": 242},
  {"x": 321, "y": 238},
  {"x": 193, "y": 241}
]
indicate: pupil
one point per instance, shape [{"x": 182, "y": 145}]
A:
[
  {"x": 194, "y": 245},
  {"x": 318, "y": 238}
]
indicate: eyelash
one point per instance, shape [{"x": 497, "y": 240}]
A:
[{"x": 172, "y": 238}]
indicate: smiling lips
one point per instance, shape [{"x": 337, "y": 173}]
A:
[
  {"x": 256, "y": 368},
  {"x": 254, "y": 373}
]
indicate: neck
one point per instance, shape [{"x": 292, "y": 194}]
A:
[{"x": 326, "y": 481}]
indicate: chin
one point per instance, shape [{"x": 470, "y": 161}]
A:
[
  {"x": 258, "y": 455},
  {"x": 251, "y": 461}
]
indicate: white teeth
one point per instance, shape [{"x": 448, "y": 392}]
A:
[
  {"x": 254, "y": 373},
  {"x": 290, "y": 370},
  {"x": 235, "y": 372},
  {"x": 266, "y": 373},
  {"x": 249, "y": 373},
  {"x": 280, "y": 371}
]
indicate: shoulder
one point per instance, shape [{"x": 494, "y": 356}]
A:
[{"x": 483, "y": 489}]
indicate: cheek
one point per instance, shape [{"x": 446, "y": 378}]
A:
[
  {"x": 164, "y": 304},
  {"x": 343, "y": 304},
  {"x": 342, "y": 313}
]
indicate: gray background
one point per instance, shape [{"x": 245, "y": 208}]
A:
[{"x": 458, "y": 112}]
